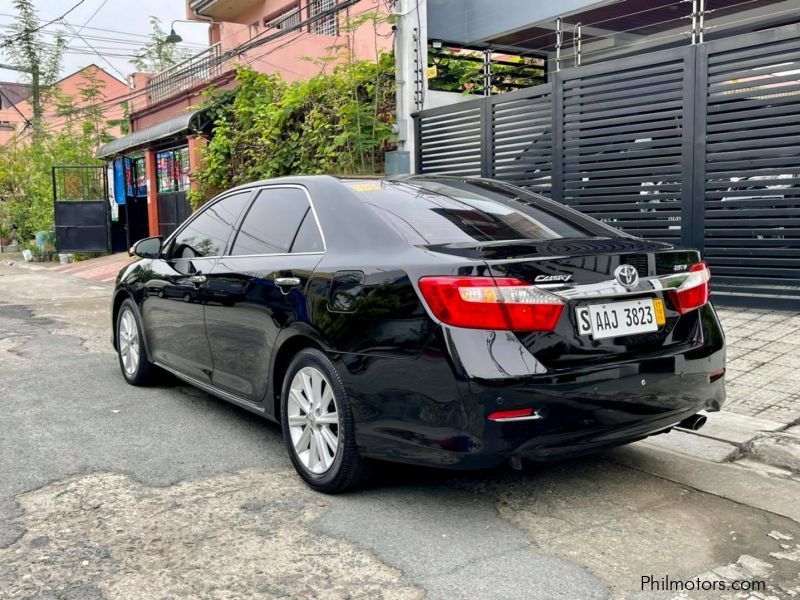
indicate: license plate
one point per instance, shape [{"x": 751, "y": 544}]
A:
[{"x": 620, "y": 318}]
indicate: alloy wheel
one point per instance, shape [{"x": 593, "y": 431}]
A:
[
  {"x": 128, "y": 342},
  {"x": 313, "y": 420}
]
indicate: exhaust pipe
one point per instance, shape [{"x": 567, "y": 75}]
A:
[{"x": 692, "y": 423}]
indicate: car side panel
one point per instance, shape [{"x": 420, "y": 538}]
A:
[{"x": 246, "y": 311}]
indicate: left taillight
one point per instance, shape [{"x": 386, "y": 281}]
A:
[
  {"x": 491, "y": 303},
  {"x": 694, "y": 291}
]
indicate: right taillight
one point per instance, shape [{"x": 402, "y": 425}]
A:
[
  {"x": 694, "y": 291},
  {"x": 491, "y": 303}
]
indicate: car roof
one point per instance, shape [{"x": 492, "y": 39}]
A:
[{"x": 342, "y": 179}]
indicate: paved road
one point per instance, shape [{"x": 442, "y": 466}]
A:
[{"x": 109, "y": 491}]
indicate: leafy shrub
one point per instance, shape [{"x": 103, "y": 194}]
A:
[{"x": 338, "y": 122}]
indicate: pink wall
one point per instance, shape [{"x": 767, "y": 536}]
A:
[
  {"x": 287, "y": 56},
  {"x": 112, "y": 88}
]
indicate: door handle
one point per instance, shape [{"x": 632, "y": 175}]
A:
[
  {"x": 286, "y": 282},
  {"x": 197, "y": 279}
]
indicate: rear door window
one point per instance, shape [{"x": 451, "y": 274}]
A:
[
  {"x": 272, "y": 223},
  {"x": 463, "y": 211}
]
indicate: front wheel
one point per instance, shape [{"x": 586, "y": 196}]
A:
[
  {"x": 133, "y": 362},
  {"x": 317, "y": 425}
]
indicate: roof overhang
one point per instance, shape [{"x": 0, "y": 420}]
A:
[
  {"x": 224, "y": 10},
  {"x": 187, "y": 121}
]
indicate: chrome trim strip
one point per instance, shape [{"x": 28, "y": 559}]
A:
[
  {"x": 256, "y": 190},
  {"x": 533, "y": 417},
  {"x": 274, "y": 254},
  {"x": 296, "y": 186},
  {"x": 215, "y": 391},
  {"x": 612, "y": 289}
]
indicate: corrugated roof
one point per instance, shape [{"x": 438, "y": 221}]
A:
[{"x": 138, "y": 139}]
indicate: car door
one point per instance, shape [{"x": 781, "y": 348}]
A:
[
  {"x": 258, "y": 288},
  {"x": 175, "y": 289}
]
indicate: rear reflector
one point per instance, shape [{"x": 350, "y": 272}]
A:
[
  {"x": 491, "y": 303},
  {"x": 714, "y": 375},
  {"x": 505, "y": 415},
  {"x": 693, "y": 292}
]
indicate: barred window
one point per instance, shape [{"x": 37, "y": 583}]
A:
[
  {"x": 326, "y": 25},
  {"x": 287, "y": 19}
]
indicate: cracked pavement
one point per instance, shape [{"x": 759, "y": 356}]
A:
[{"x": 110, "y": 491}]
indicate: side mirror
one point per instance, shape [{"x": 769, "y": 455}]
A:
[{"x": 147, "y": 248}]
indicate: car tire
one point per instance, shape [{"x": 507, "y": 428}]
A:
[
  {"x": 309, "y": 429},
  {"x": 131, "y": 353}
]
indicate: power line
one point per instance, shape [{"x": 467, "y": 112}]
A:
[
  {"x": 92, "y": 16},
  {"x": 300, "y": 30},
  {"x": 28, "y": 32},
  {"x": 103, "y": 58},
  {"x": 103, "y": 29}
]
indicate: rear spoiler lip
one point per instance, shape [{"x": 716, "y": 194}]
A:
[{"x": 549, "y": 249}]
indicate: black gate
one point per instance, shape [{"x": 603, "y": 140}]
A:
[
  {"x": 697, "y": 146},
  {"x": 173, "y": 209},
  {"x": 82, "y": 211}
]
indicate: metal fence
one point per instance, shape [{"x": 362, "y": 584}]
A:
[
  {"x": 194, "y": 71},
  {"x": 697, "y": 146}
]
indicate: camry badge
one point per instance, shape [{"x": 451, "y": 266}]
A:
[
  {"x": 551, "y": 278},
  {"x": 626, "y": 275}
]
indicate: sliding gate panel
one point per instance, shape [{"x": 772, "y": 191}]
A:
[
  {"x": 623, "y": 137},
  {"x": 81, "y": 208},
  {"x": 521, "y": 149},
  {"x": 752, "y": 163},
  {"x": 451, "y": 139},
  {"x": 698, "y": 146}
]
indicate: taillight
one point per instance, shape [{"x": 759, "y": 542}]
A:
[
  {"x": 487, "y": 303},
  {"x": 693, "y": 292}
]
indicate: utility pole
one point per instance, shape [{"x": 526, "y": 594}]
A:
[{"x": 36, "y": 96}]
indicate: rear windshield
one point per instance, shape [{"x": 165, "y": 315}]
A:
[{"x": 430, "y": 212}]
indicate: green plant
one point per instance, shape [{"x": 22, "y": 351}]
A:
[
  {"x": 157, "y": 54},
  {"x": 338, "y": 122},
  {"x": 79, "y": 256},
  {"x": 26, "y": 189}
]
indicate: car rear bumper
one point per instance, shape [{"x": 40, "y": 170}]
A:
[
  {"x": 575, "y": 418},
  {"x": 579, "y": 411},
  {"x": 611, "y": 410}
]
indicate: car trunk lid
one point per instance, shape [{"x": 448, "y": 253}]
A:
[{"x": 582, "y": 273}]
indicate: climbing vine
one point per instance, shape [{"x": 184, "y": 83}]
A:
[{"x": 338, "y": 122}]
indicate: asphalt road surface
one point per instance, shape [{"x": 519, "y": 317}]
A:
[{"x": 111, "y": 491}]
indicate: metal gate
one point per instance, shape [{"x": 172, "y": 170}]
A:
[
  {"x": 697, "y": 146},
  {"x": 82, "y": 211}
]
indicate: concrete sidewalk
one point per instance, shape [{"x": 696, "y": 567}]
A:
[
  {"x": 763, "y": 371},
  {"x": 102, "y": 270}
]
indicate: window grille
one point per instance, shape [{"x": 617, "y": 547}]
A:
[{"x": 326, "y": 25}]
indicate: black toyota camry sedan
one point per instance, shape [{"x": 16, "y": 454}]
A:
[{"x": 429, "y": 320}]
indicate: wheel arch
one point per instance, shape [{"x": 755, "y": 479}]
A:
[
  {"x": 283, "y": 356},
  {"x": 120, "y": 296}
]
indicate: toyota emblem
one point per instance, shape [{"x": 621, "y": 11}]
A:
[{"x": 627, "y": 275}]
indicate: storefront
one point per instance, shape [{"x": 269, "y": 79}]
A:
[{"x": 152, "y": 175}]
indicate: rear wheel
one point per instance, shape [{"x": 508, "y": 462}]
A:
[
  {"x": 133, "y": 362},
  {"x": 318, "y": 425}
]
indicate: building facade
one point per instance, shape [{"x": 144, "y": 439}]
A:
[
  {"x": 16, "y": 109},
  {"x": 296, "y": 39}
]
